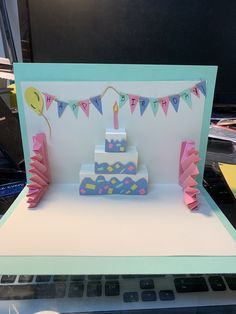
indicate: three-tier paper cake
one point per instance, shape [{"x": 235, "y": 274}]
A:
[{"x": 115, "y": 169}]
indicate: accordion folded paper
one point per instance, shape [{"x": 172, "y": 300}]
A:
[
  {"x": 188, "y": 171},
  {"x": 39, "y": 168}
]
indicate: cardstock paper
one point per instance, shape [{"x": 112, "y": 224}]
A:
[
  {"x": 97, "y": 102},
  {"x": 49, "y": 100},
  {"x": 154, "y": 104},
  {"x": 175, "y": 101},
  {"x": 122, "y": 99},
  {"x": 143, "y": 103},
  {"x": 133, "y": 101},
  {"x": 74, "y": 107},
  {"x": 84, "y": 105},
  {"x": 164, "y": 104},
  {"x": 61, "y": 106},
  {"x": 186, "y": 95}
]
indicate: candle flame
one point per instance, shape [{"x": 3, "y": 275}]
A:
[{"x": 116, "y": 107}]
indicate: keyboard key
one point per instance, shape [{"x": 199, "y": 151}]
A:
[
  {"x": 231, "y": 281},
  {"x": 146, "y": 284},
  {"x": 150, "y": 276},
  {"x": 166, "y": 295},
  {"x": 76, "y": 290},
  {"x": 17, "y": 292},
  {"x": 43, "y": 278},
  {"x": 193, "y": 284},
  {"x": 95, "y": 277},
  {"x": 45, "y": 291},
  {"x": 25, "y": 279},
  {"x": 217, "y": 283},
  {"x": 148, "y": 296},
  {"x": 60, "y": 278},
  {"x": 112, "y": 288},
  {"x": 60, "y": 290},
  {"x": 112, "y": 277},
  {"x": 94, "y": 289},
  {"x": 77, "y": 277},
  {"x": 8, "y": 278},
  {"x": 130, "y": 297}
]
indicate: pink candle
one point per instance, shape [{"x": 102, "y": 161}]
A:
[{"x": 115, "y": 117}]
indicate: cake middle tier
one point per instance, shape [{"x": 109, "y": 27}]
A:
[{"x": 108, "y": 163}]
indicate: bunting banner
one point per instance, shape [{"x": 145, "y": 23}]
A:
[
  {"x": 122, "y": 99},
  {"x": 164, "y": 104},
  {"x": 49, "y": 100},
  {"x": 74, "y": 107},
  {"x": 143, "y": 102},
  {"x": 61, "y": 106},
  {"x": 133, "y": 101},
  {"x": 97, "y": 102},
  {"x": 175, "y": 100},
  {"x": 154, "y": 104},
  {"x": 84, "y": 105}
]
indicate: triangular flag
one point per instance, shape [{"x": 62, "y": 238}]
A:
[
  {"x": 49, "y": 99},
  {"x": 154, "y": 104},
  {"x": 122, "y": 100},
  {"x": 175, "y": 101},
  {"x": 195, "y": 91},
  {"x": 133, "y": 100},
  {"x": 74, "y": 107},
  {"x": 164, "y": 103},
  {"x": 84, "y": 104},
  {"x": 202, "y": 87},
  {"x": 143, "y": 103},
  {"x": 97, "y": 102},
  {"x": 61, "y": 106},
  {"x": 186, "y": 95}
]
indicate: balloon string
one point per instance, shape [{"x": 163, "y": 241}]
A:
[{"x": 49, "y": 126}]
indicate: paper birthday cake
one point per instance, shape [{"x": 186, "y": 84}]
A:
[{"x": 115, "y": 170}]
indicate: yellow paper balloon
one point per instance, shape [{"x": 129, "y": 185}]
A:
[{"x": 34, "y": 99}]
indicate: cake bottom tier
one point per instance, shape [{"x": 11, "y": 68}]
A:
[{"x": 96, "y": 184}]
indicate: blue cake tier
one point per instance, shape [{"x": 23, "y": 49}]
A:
[
  {"x": 115, "y": 146},
  {"x": 118, "y": 167},
  {"x": 101, "y": 186}
]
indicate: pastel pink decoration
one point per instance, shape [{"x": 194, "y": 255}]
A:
[
  {"x": 195, "y": 91},
  {"x": 142, "y": 191},
  {"x": 115, "y": 115},
  {"x": 39, "y": 168},
  {"x": 84, "y": 105},
  {"x": 49, "y": 99},
  {"x": 133, "y": 101},
  {"x": 164, "y": 103},
  {"x": 188, "y": 171}
]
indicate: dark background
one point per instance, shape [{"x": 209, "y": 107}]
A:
[{"x": 138, "y": 31}]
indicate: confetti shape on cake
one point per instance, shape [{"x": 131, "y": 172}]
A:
[
  {"x": 188, "y": 171},
  {"x": 39, "y": 168}
]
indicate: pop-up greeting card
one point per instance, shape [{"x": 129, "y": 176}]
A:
[{"x": 115, "y": 159}]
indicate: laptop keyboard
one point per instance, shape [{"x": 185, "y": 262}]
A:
[{"x": 78, "y": 293}]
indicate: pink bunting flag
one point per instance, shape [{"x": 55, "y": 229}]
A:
[
  {"x": 188, "y": 171},
  {"x": 133, "y": 101},
  {"x": 164, "y": 103},
  {"x": 195, "y": 91},
  {"x": 49, "y": 99},
  {"x": 84, "y": 105},
  {"x": 39, "y": 168}
]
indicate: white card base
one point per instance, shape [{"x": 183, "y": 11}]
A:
[{"x": 159, "y": 224}]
